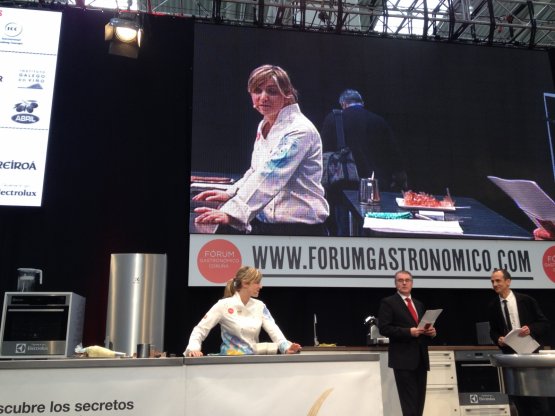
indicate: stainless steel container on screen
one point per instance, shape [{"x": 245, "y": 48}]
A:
[
  {"x": 369, "y": 192},
  {"x": 136, "y": 301}
]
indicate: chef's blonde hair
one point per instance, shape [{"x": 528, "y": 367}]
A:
[
  {"x": 265, "y": 72},
  {"x": 246, "y": 274}
]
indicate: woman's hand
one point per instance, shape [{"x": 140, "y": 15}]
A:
[
  {"x": 294, "y": 349},
  {"x": 194, "y": 354},
  {"x": 211, "y": 216},
  {"x": 212, "y": 195}
]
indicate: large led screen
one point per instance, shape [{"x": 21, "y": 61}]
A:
[
  {"x": 456, "y": 114},
  {"x": 28, "y": 55}
]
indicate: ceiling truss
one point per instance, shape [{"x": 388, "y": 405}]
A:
[{"x": 515, "y": 23}]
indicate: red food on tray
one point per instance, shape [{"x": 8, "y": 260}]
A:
[{"x": 421, "y": 199}]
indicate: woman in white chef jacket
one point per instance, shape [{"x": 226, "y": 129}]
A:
[
  {"x": 240, "y": 317},
  {"x": 281, "y": 193}
]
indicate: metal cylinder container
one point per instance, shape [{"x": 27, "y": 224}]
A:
[{"x": 136, "y": 302}]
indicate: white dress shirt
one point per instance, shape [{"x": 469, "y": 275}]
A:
[{"x": 513, "y": 309}]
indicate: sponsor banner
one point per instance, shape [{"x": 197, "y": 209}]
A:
[
  {"x": 28, "y": 55},
  {"x": 370, "y": 262},
  {"x": 135, "y": 391},
  {"x": 29, "y": 31},
  {"x": 339, "y": 388}
]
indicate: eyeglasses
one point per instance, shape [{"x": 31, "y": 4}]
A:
[{"x": 404, "y": 280}]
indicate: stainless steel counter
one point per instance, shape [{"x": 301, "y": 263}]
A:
[
  {"x": 282, "y": 358},
  {"x": 90, "y": 363},
  {"x": 527, "y": 374},
  {"x": 179, "y": 361}
]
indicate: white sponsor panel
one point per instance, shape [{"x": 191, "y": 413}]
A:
[
  {"x": 370, "y": 262},
  {"x": 317, "y": 388},
  {"x": 135, "y": 391},
  {"x": 28, "y": 55},
  {"x": 29, "y": 31}
]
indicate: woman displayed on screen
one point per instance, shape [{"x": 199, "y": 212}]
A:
[{"x": 281, "y": 193}]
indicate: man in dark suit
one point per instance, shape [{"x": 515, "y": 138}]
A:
[
  {"x": 408, "y": 344},
  {"x": 371, "y": 141},
  {"x": 510, "y": 310}
]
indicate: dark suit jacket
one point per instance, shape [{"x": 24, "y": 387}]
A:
[
  {"x": 394, "y": 321},
  {"x": 371, "y": 141},
  {"x": 529, "y": 314}
]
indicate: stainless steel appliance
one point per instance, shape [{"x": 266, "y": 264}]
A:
[
  {"x": 136, "y": 302},
  {"x": 41, "y": 324},
  {"x": 479, "y": 383},
  {"x": 28, "y": 279}
]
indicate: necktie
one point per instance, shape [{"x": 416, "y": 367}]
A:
[
  {"x": 507, "y": 316},
  {"x": 412, "y": 310}
]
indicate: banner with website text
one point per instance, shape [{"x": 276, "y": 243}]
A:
[{"x": 370, "y": 262}]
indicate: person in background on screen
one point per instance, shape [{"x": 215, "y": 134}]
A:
[
  {"x": 281, "y": 193},
  {"x": 523, "y": 312},
  {"x": 376, "y": 153},
  {"x": 408, "y": 345},
  {"x": 240, "y": 317}
]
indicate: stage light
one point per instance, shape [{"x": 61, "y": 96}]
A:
[{"x": 125, "y": 35}]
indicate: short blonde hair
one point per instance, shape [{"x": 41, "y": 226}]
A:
[
  {"x": 246, "y": 274},
  {"x": 265, "y": 72}
]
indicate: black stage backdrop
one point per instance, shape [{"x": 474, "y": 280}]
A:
[{"x": 117, "y": 168}]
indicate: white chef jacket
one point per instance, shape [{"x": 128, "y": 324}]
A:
[
  {"x": 240, "y": 326},
  {"x": 283, "y": 184}
]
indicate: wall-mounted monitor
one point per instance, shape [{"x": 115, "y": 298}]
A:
[{"x": 458, "y": 114}]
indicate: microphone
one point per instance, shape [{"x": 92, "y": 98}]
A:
[
  {"x": 316, "y": 343},
  {"x": 370, "y": 320}
]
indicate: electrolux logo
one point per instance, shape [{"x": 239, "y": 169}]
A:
[
  {"x": 20, "y": 348},
  {"x": 24, "y": 109},
  {"x": 11, "y": 192}
]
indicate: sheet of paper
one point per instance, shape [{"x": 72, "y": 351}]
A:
[
  {"x": 530, "y": 198},
  {"x": 205, "y": 186},
  {"x": 429, "y": 318},
  {"x": 521, "y": 345},
  {"x": 413, "y": 226}
]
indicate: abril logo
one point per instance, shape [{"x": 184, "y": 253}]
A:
[
  {"x": 13, "y": 29},
  {"x": 26, "y": 107}
]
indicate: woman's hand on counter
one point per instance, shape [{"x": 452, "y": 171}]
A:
[
  {"x": 194, "y": 354},
  {"x": 211, "y": 216},
  {"x": 212, "y": 195},
  {"x": 294, "y": 349}
]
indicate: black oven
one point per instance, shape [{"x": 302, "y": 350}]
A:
[{"x": 475, "y": 373}]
